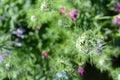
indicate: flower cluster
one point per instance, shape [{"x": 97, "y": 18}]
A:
[
  {"x": 20, "y": 34},
  {"x": 72, "y": 14},
  {"x": 89, "y": 43}
]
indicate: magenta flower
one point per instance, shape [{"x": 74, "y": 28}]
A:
[
  {"x": 73, "y": 14},
  {"x": 81, "y": 71},
  {"x": 45, "y": 54},
  {"x": 117, "y": 7},
  {"x": 62, "y": 10},
  {"x": 116, "y": 20}
]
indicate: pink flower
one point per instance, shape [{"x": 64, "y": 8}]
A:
[
  {"x": 62, "y": 10},
  {"x": 116, "y": 20},
  {"x": 73, "y": 14},
  {"x": 45, "y": 54},
  {"x": 81, "y": 71}
]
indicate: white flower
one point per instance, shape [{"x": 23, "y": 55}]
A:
[
  {"x": 80, "y": 43},
  {"x": 118, "y": 76},
  {"x": 101, "y": 62},
  {"x": 15, "y": 76},
  {"x": 60, "y": 22},
  {"x": 44, "y": 6},
  {"x": 62, "y": 75},
  {"x": 33, "y": 18},
  {"x": 89, "y": 43},
  {"x": 7, "y": 66}
]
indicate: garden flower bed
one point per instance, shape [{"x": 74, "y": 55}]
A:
[{"x": 59, "y": 40}]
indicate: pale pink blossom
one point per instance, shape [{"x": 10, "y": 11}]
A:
[{"x": 62, "y": 10}]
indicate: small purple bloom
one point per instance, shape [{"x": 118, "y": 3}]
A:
[
  {"x": 117, "y": 7},
  {"x": 45, "y": 54},
  {"x": 18, "y": 43},
  {"x": 116, "y": 20},
  {"x": 1, "y": 58},
  {"x": 19, "y": 32},
  {"x": 81, "y": 71},
  {"x": 73, "y": 14}
]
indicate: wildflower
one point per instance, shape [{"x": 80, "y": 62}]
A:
[
  {"x": 62, "y": 75},
  {"x": 7, "y": 66},
  {"x": 17, "y": 43},
  {"x": 19, "y": 32},
  {"x": 89, "y": 43},
  {"x": 116, "y": 19},
  {"x": 101, "y": 62},
  {"x": 81, "y": 44},
  {"x": 2, "y": 58},
  {"x": 81, "y": 71},
  {"x": 45, "y": 6},
  {"x": 45, "y": 54},
  {"x": 33, "y": 18},
  {"x": 62, "y": 10},
  {"x": 73, "y": 14},
  {"x": 117, "y": 7}
]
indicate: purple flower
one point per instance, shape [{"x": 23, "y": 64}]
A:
[
  {"x": 117, "y": 7},
  {"x": 45, "y": 54},
  {"x": 81, "y": 71},
  {"x": 1, "y": 57},
  {"x": 116, "y": 20},
  {"x": 19, "y": 32},
  {"x": 73, "y": 14},
  {"x": 17, "y": 43}
]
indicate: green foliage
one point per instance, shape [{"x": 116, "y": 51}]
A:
[{"x": 52, "y": 39}]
